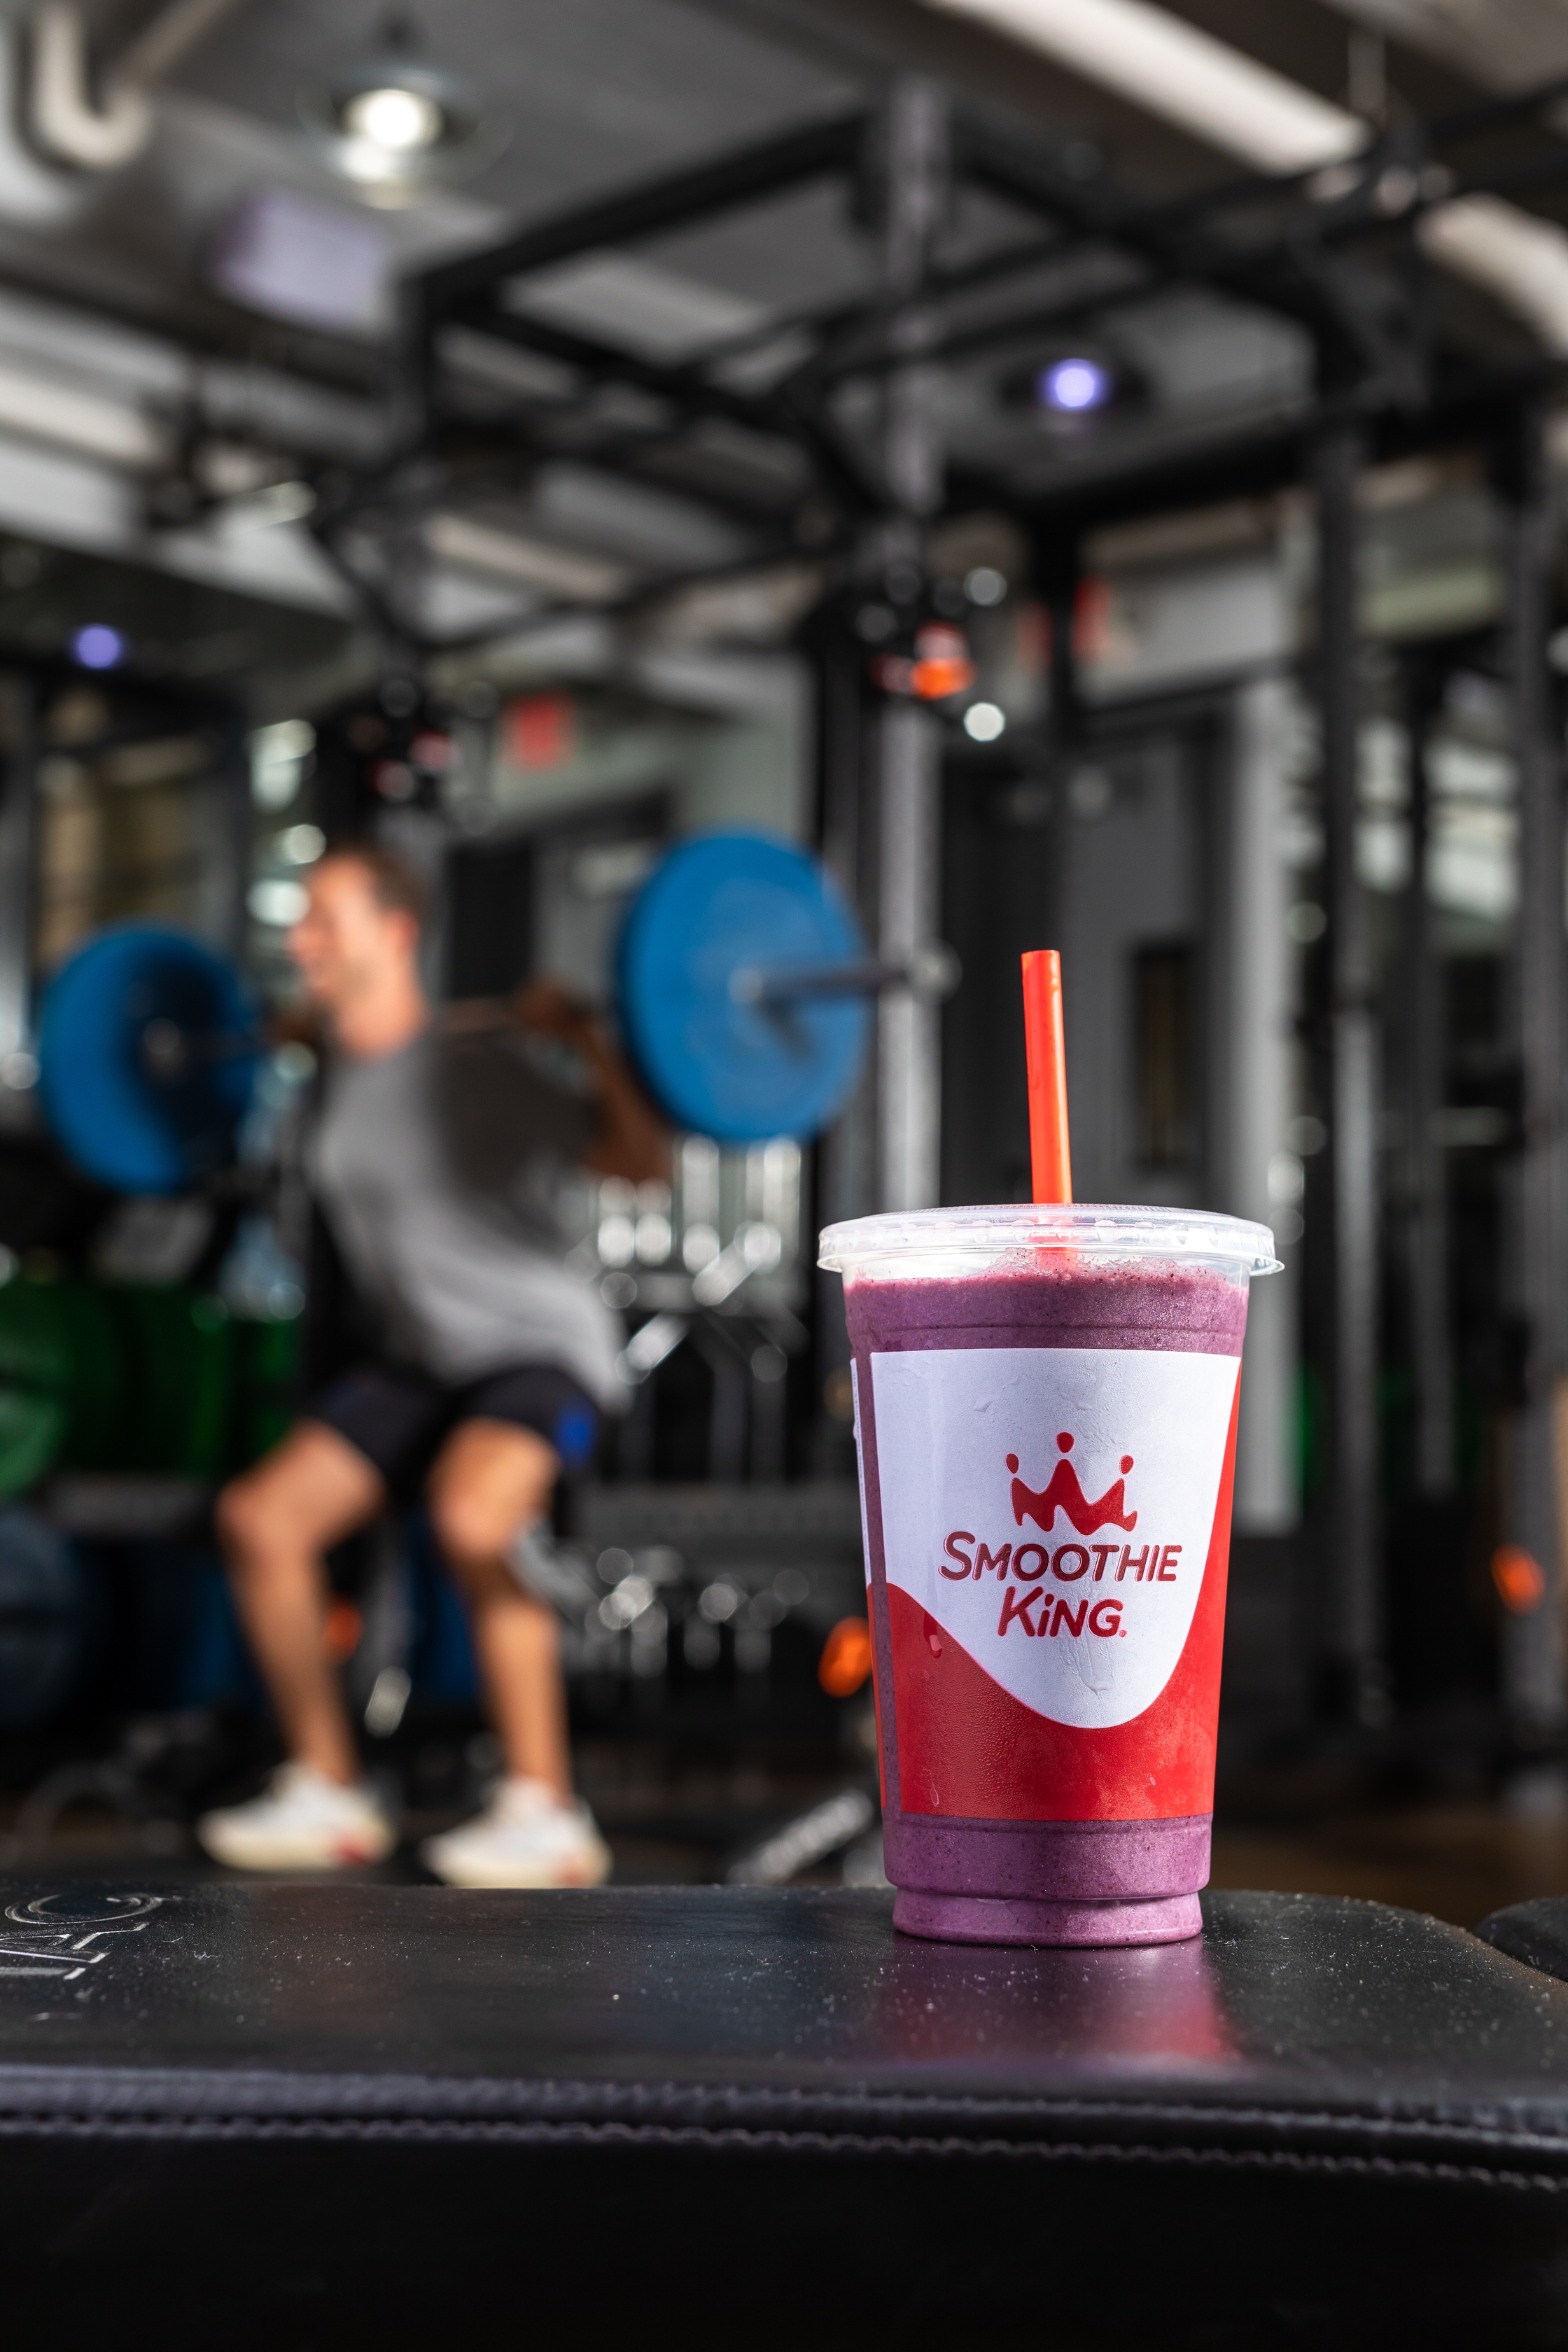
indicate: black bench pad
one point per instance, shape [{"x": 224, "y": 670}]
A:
[
  {"x": 303, "y": 2114},
  {"x": 1536, "y": 1933}
]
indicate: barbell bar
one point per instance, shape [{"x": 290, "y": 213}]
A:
[{"x": 744, "y": 990}]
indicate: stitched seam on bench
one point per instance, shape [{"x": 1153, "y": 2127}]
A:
[
  {"x": 862, "y": 2112},
  {"x": 739, "y": 2139}
]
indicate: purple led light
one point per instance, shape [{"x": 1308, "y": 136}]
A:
[
  {"x": 1074, "y": 385},
  {"x": 98, "y": 647}
]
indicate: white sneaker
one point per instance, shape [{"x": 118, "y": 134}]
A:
[
  {"x": 301, "y": 1821},
  {"x": 524, "y": 1837}
]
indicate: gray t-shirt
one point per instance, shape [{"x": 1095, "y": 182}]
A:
[{"x": 436, "y": 1168}]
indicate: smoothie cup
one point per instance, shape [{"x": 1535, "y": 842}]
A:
[{"x": 1046, "y": 1405}]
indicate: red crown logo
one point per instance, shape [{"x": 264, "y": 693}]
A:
[{"x": 1062, "y": 1492}]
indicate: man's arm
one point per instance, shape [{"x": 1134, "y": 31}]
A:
[{"x": 631, "y": 1140}]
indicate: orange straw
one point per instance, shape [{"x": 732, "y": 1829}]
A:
[{"x": 1050, "y": 1151}]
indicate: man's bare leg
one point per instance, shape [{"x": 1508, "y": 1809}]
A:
[
  {"x": 275, "y": 1523},
  {"x": 491, "y": 1481}
]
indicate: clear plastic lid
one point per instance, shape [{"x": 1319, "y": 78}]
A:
[{"x": 906, "y": 1246}]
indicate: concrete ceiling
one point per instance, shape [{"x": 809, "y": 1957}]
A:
[{"x": 597, "y": 92}]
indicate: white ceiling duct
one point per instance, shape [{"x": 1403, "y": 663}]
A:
[
  {"x": 104, "y": 135},
  {"x": 29, "y": 189},
  {"x": 1246, "y": 109},
  {"x": 64, "y": 118},
  {"x": 1519, "y": 258},
  {"x": 1169, "y": 68},
  {"x": 1502, "y": 48},
  {"x": 92, "y": 424},
  {"x": 532, "y": 563}
]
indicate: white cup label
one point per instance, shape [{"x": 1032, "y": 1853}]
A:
[{"x": 1051, "y": 1509}]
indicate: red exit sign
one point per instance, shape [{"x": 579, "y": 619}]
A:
[{"x": 540, "y": 730}]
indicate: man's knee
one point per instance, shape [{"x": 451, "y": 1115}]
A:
[
  {"x": 262, "y": 1512},
  {"x": 241, "y": 1518},
  {"x": 472, "y": 1538},
  {"x": 309, "y": 1492}
]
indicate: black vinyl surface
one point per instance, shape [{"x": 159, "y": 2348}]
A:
[
  {"x": 1536, "y": 1933},
  {"x": 343, "y": 2113}
]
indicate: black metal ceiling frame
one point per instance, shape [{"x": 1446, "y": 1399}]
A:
[
  {"x": 1170, "y": 246},
  {"x": 469, "y": 291},
  {"x": 1369, "y": 325}
]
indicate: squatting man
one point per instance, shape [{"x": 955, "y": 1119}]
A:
[{"x": 433, "y": 1152}]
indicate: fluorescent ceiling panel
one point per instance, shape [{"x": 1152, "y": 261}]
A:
[
  {"x": 617, "y": 298},
  {"x": 291, "y": 257}
]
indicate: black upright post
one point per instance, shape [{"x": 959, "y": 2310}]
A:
[
  {"x": 1426, "y": 1088},
  {"x": 845, "y": 1169},
  {"x": 1356, "y": 1683},
  {"x": 846, "y": 746},
  {"x": 881, "y": 761},
  {"x": 1533, "y": 1646},
  {"x": 20, "y": 698},
  {"x": 913, "y": 170},
  {"x": 1057, "y": 572}
]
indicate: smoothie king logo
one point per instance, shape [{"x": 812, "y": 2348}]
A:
[
  {"x": 1051, "y": 1512},
  {"x": 1063, "y": 1493},
  {"x": 1100, "y": 1615}
]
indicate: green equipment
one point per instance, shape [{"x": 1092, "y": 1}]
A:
[{"x": 134, "y": 1377}]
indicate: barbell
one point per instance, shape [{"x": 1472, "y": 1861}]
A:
[{"x": 744, "y": 988}]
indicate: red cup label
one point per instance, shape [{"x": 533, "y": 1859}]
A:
[{"x": 1051, "y": 1511}]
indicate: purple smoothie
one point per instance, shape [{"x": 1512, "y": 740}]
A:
[
  {"x": 1021, "y": 1304},
  {"x": 1057, "y": 1882}
]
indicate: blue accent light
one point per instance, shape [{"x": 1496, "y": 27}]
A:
[
  {"x": 98, "y": 647},
  {"x": 1074, "y": 387}
]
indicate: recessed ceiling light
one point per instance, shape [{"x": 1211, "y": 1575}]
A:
[
  {"x": 1073, "y": 387},
  {"x": 98, "y": 647},
  {"x": 398, "y": 126},
  {"x": 397, "y": 119}
]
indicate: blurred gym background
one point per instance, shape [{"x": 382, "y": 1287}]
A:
[{"x": 1093, "y": 479}]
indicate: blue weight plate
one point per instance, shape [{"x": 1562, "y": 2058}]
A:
[
  {"x": 146, "y": 1057},
  {"x": 740, "y": 1072}
]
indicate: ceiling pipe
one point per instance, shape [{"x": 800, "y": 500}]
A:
[
  {"x": 1245, "y": 109},
  {"x": 105, "y": 134},
  {"x": 31, "y": 190}
]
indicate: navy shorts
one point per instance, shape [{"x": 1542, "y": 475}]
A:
[{"x": 399, "y": 1418}]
